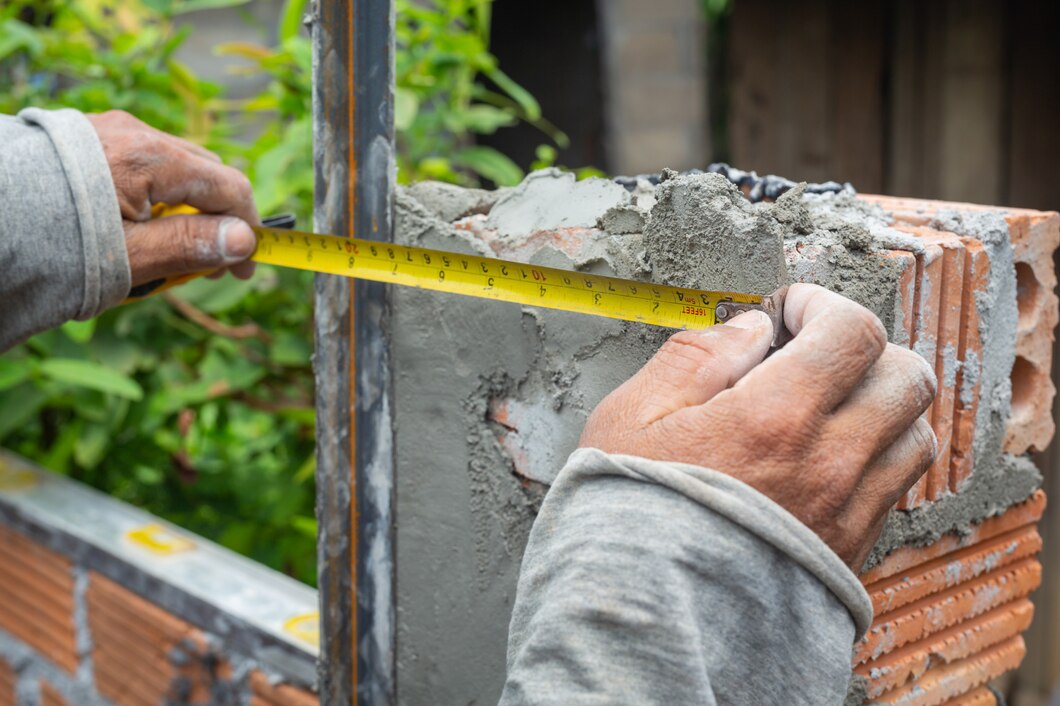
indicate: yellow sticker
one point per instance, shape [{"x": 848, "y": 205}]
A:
[
  {"x": 304, "y": 627},
  {"x": 15, "y": 477},
  {"x": 158, "y": 539}
]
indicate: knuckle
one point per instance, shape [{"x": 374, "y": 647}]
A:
[{"x": 193, "y": 250}]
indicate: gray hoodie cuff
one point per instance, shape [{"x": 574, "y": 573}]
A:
[
  {"x": 107, "y": 277},
  {"x": 756, "y": 513}
]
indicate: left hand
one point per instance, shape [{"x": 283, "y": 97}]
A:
[{"x": 148, "y": 167}]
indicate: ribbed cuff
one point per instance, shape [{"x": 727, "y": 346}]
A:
[
  {"x": 107, "y": 276},
  {"x": 751, "y": 510}
]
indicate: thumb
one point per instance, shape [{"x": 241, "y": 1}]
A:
[
  {"x": 694, "y": 366},
  {"x": 177, "y": 245}
]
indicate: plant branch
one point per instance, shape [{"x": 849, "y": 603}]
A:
[{"x": 197, "y": 316}]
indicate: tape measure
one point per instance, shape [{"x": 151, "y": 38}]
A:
[{"x": 502, "y": 280}]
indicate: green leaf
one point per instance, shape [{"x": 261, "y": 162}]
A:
[
  {"x": 485, "y": 119},
  {"x": 12, "y": 372},
  {"x": 91, "y": 445},
  {"x": 519, "y": 94},
  {"x": 491, "y": 164},
  {"x": 406, "y": 106},
  {"x": 83, "y": 373},
  {"x": 215, "y": 296},
  {"x": 79, "y": 331},
  {"x": 16, "y": 36},
  {"x": 179, "y": 7},
  {"x": 291, "y": 19}
]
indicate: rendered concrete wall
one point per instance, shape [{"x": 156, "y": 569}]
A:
[{"x": 492, "y": 397}]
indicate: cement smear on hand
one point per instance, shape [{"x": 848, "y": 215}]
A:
[{"x": 463, "y": 512}]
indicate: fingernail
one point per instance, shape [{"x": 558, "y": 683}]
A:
[
  {"x": 752, "y": 319},
  {"x": 235, "y": 240}
]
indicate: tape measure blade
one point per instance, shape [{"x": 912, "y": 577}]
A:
[{"x": 502, "y": 280}]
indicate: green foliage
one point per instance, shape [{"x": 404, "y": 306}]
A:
[
  {"x": 449, "y": 89},
  {"x": 197, "y": 405}
]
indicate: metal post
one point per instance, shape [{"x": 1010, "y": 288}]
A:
[{"x": 353, "y": 133}]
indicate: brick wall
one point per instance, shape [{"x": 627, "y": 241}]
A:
[{"x": 84, "y": 622}]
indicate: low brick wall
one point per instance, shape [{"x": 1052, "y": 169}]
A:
[{"x": 102, "y": 604}]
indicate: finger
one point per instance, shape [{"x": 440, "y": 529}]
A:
[
  {"x": 177, "y": 245},
  {"x": 836, "y": 342},
  {"x": 892, "y": 474},
  {"x": 217, "y": 274},
  {"x": 243, "y": 270},
  {"x": 694, "y": 366},
  {"x": 895, "y": 391},
  {"x": 180, "y": 177}
]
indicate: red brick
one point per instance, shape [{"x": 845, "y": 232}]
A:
[
  {"x": 938, "y": 612},
  {"x": 947, "y": 347},
  {"x": 948, "y": 571},
  {"x": 950, "y": 680},
  {"x": 50, "y": 697},
  {"x": 905, "y": 558},
  {"x": 36, "y": 598},
  {"x": 7, "y": 684},
  {"x": 906, "y": 291},
  {"x": 925, "y": 338},
  {"x": 966, "y": 407},
  {"x": 266, "y": 694},
  {"x": 976, "y": 697},
  {"x": 959, "y": 642},
  {"x": 1034, "y": 235},
  {"x": 134, "y": 644}
]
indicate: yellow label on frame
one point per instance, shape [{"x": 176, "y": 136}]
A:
[
  {"x": 304, "y": 627},
  {"x": 16, "y": 477},
  {"x": 159, "y": 540}
]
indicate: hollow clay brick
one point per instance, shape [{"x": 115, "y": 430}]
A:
[
  {"x": 946, "y": 351},
  {"x": 925, "y": 339},
  {"x": 980, "y": 696},
  {"x": 1034, "y": 238},
  {"x": 959, "y": 642},
  {"x": 266, "y": 694},
  {"x": 50, "y": 697},
  {"x": 977, "y": 279},
  {"x": 938, "y": 612},
  {"x": 946, "y": 572},
  {"x": 134, "y": 641},
  {"x": 36, "y": 596},
  {"x": 950, "y": 680},
  {"x": 7, "y": 684},
  {"x": 902, "y": 560},
  {"x": 904, "y": 320},
  {"x": 1035, "y": 235}
]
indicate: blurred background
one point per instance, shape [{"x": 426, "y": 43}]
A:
[{"x": 197, "y": 405}]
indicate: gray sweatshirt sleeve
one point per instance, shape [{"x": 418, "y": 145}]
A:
[
  {"x": 62, "y": 245},
  {"x": 661, "y": 583}
]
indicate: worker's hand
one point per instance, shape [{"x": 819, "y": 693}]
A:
[
  {"x": 148, "y": 167},
  {"x": 829, "y": 427}
]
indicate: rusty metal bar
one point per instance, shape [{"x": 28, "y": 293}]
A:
[{"x": 353, "y": 133}]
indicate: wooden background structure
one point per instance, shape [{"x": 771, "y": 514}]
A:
[{"x": 956, "y": 100}]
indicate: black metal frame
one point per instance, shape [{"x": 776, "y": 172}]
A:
[{"x": 353, "y": 100}]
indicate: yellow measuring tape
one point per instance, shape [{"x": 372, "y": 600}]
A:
[{"x": 503, "y": 280}]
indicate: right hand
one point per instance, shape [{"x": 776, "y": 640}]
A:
[
  {"x": 148, "y": 167},
  {"x": 829, "y": 427}
]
